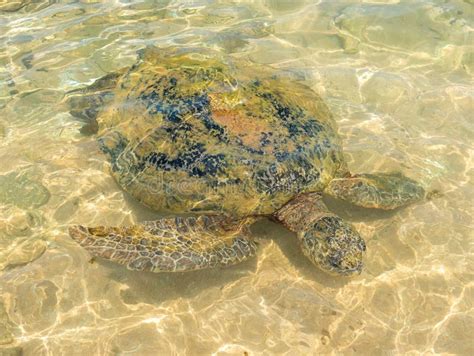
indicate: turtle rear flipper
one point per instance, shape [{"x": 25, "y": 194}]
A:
[
  {"x": 86, "y": 103},
  {"x": 85, "y": 108},
  {"x": 170, "y": 244}
]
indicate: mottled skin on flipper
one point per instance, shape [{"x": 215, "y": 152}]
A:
[
  {"x": 384, "y": 191},
  {"x": 170, "y": 244},
  {"x": 195, "y": 132}
]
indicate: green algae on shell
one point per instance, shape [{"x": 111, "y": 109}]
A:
[{"x": 190, "y": 132}]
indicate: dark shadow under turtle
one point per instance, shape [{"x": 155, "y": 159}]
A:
[{"x": 228, "y": 142}]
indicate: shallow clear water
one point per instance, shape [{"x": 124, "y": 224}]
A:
[{"x": 398, "y": 77}]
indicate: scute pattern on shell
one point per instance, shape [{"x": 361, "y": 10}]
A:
[{"x": 188, "y": 132}]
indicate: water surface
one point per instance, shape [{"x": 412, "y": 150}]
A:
[{"x": 398, "y": 77}]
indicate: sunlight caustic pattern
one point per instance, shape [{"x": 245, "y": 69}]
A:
[{"x": 398, "y": 77}]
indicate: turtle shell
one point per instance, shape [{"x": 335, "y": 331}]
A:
[{"x": 192, "y": 131}]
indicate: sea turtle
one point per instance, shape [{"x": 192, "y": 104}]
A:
[{"x": 222, "y": 142}]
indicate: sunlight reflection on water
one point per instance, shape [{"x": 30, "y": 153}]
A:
[{"x": 397, "y": 76}]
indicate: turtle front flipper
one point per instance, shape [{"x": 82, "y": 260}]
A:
[
  {"x": 384, "y": 191},
  {"x": 170, "y": 244}
]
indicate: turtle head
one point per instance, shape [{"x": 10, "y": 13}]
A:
[
  {"x": 327, "y": 240},
  {"x": 333, "y": 245}
]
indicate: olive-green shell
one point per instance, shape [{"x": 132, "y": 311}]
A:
[{"x": 197, "y": 132}]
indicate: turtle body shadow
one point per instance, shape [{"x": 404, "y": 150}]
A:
[{"x": 157, "y": 288}]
